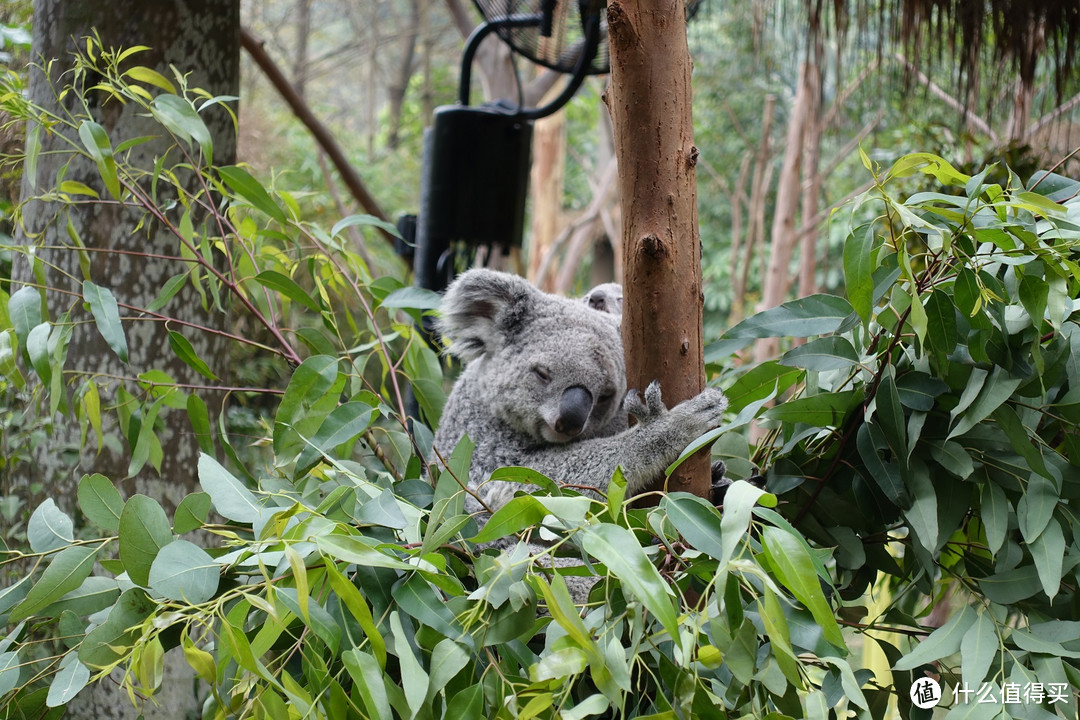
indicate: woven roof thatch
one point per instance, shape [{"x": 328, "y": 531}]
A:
[{"x": 1022, "y": 33}]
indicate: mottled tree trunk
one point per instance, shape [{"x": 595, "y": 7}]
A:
[
  {"x": 649, "y": 100},
  {"x": 200, "y": 36}
]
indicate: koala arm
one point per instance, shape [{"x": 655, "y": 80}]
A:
[{"x": 643, "y": 451}]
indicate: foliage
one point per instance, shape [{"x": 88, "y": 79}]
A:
[
  {"x": 929, "y": 432},
  {"x": 926, "y": 447}
]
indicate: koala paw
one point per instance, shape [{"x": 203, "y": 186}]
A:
[
  {"x": 649, "y": 409},
  {"x": 705, "y": 410}
]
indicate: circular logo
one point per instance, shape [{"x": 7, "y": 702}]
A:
[{"x": 925, "y": 693}]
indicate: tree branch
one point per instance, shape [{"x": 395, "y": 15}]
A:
[
  {"x": 322, "y": 135},
  {"x": 969, "y": 117}
]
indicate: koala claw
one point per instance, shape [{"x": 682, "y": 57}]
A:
[{"x": 649, "y": 409}]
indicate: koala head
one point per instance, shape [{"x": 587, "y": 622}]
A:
[
  {"x": 605, "y": 298},
  {"x": 548, "y": 367}
]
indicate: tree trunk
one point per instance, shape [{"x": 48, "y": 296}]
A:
[
  {"x": 303, "y": 32},
  {"x": 650, "y": 105},
  {"x": 197, "y": 35},
  {"x": 546, "y": 188},
  {"x": 755, "y": 211},
  {"x": 400, "y": 86},
  {"x": 811, "y": 185},
  {"x": 788, "y": 192}
]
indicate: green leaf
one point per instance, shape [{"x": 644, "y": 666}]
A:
[
  {"x": 341, "y": 426},
  {"x": 96, "y": 142},
  {"x": 414, "y": 680},
  {"x": 739, "y": 504},
  {"x": 37, "y": 349},
  {"x": 191, "y": 513},
  {"x": 978, "y": 649},
  {"x": 286, "y": 286},
  {"x": 144, "y": 530},
  {"x": 177, "y": 114},
  {"x": 859, "y": 269},
  {"x": 412, "y": 298},
  {"x": 106, "y": 644},
  {"x": 243, "y": 184},
  {"x": 941, "y": 333},
  {"x": 995, "y": 515},
  {"x": 24, "y": 309},
  {"x": 49, "y": 528},
  {"x": 200, "y": 423},
  {"x": 824, "y": 410},
  {"x": 65, "y": 572},
  {"x": 827, "y": 353},
  {"x": 71, "y": 677},
  {"x": 1011, "y": 586},
  {"x": 10, "y": 672},
  {"x": 1048, "y": 551},
  {"x": 889, "y": 417},
  {"x": 33, "y": 152},
  {"x": 94, "y": 594},
  {"x": 314, "y": 615},
  {"x": 107, "y": 317},
  {"x": 72, "y": 187},
  {"x": 696, "y": 520},
  {"x": 1036, "y": 507},
  {"x": 368, "y": 677},
  {"x": 229, "y": 496},
  {"x": 941, "y": 643},
  {"x": 168, "y": 292},
  {"x": 354, "y": 550},
  {"x": 794, "y": 568},
  {"x": 559, "y": 664},
  {"x": 953, "y": 457},
  {"x": 312, "y": 394},
  {"x": 521, "y": 512},
  {"x": 812, "y": 315},
  {"x": 100, "y": 501},
  {"x": 620, "y": 551},
  {"x": 183, "y": 349},
  {"x": 351, "y": 599},
  {"x": 928, "y": 164},
  {"x": 447, "y": 660},
  {"x": 760, "y": 382},
  {"x": 996, "y": 390},
  {"x": 184, "y": 571},
  {"x": 922, "y": 515},
  {"x": 416, "y": 597},
  {"x": 364, "y": 220},
  {"x": 1020, "y": 439},
  {"x": 885, "y": 474},
  {"x": 150, "y": 77}
]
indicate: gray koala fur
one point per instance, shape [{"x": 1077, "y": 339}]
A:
[
  {"x": 605, "y": 298},
  {"x": 544, "y": 386}
]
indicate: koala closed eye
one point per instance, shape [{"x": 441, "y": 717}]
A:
[{"x": 542, "y": 374}]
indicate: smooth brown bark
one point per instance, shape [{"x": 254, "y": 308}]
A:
[{"x": 650, "y": 104}]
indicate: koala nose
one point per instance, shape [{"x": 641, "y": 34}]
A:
[{"x": 574, "y": 409}]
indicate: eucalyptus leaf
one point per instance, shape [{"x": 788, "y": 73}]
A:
[
  {"x": 184, "y": 571},
  {"x": 107, "y": 317},
  {"x": 49, "y": 528},
  {"x": 144, "y": 530}
]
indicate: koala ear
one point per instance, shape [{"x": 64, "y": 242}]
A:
[{"x": 482, "y": 309}]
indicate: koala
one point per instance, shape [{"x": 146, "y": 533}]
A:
[
  {"x": 605, "y": 298},
  {"x": 544, "y": 386}
]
